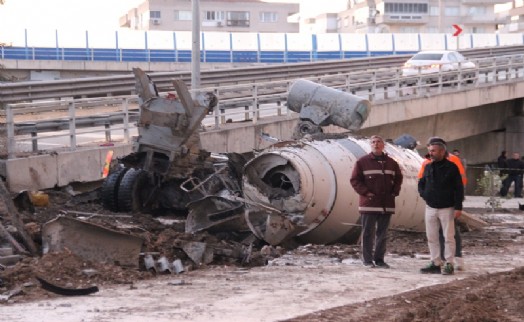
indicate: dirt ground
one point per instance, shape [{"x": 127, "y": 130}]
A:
[{"x": 300, "y": 283}]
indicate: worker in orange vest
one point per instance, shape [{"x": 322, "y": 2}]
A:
[
  {"x": 459, "y": 265},
  {"x": 451, "y": 157}
]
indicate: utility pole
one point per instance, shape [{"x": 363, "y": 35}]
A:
[
  {"x": 195, "y": 49},
  {"x": 440, "y": 16}
]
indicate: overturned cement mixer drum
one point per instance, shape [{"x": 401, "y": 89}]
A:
[{"x": 302, "y": 189}]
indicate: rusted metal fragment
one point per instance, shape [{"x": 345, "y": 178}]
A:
[
  {"x": 215, "y": 213},
  {"x": 91, "y": 242},
  {"x": 198, "y": 252}
]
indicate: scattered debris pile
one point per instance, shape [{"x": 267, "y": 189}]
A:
[{"x": 69, "y": 257}]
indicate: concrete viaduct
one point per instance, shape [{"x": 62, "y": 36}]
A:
[{"x": 480, "y": 121}]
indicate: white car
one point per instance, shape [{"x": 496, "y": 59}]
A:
[{"x": 430, "y": 62}]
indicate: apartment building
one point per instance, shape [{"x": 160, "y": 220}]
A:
[
  {"x": 420, "y": 16},
  {"x": 516, "y": 17},
  {"x": 215, "y": 15}
]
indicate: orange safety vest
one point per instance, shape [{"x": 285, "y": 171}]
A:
[{"x": 451, "y": 157}]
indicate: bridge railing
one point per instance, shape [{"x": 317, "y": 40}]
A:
[
  {"x": 64, "y": 121},
  {"x": 125, "y": 84}
]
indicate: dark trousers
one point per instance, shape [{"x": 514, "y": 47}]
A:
[
  {"x": 507, "y": 183},
  {"x": 458, "y": 242},
  {"x": 374, "y": 230}
]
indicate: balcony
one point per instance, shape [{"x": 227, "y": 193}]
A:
[
  {"x": 238, "y": 23},
  {"x": 487, "y": 19},
  {"x": 402, "y": 18},
  {"x": 515, "y": 27},
  {"x": 519, "y": 11}
]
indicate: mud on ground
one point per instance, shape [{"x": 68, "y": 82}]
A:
[{"x": 492, "y": 297}]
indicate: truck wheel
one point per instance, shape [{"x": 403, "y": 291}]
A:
[
  {"x": 133, "y": 191},
  {"x": 109, "y": 193}
]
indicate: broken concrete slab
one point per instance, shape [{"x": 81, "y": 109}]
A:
[
  {"x": 91, "y": 242},
  {"x": 10, "y": 260}
]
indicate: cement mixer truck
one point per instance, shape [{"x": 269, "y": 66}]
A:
[{"x": 297, "y": 189}]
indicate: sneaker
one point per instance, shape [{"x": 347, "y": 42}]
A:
[
  {"x": 369, "y": 264},
  {"x": 459, "y": 264},
  {"x": 381, "y": 264},
  {"x": 447, "y": 269},
  {"x": 430, "y": 269}
]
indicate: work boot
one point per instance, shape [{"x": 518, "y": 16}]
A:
[
  {"x": 448, "y": 269},
  {"x": 381, "y": 264},
  {"x": 369, "y": 264},
  {"x": 430, "y": 269}
]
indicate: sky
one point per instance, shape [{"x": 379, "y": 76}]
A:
[{"x": 100, "y": 14}]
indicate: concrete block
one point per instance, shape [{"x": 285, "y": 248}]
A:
[
  {"x": 84, "y": 165},
  {"x": 32, "y": 173}
]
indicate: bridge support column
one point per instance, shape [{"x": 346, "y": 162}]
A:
[
  {"x": 514, "y": 140},
  {"x": 515, "y": 135}
]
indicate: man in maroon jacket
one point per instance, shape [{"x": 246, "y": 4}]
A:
[{"x": 377, "y": 179}]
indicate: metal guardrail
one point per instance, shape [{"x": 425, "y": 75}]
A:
[
  {"x": 124, "y": 84},
  {"x": 249, "y": 102}
]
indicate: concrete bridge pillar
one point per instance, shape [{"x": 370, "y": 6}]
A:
[{"x": 515, "y": 129}]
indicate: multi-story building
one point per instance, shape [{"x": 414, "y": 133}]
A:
[
  {"x": 215, "y": 15},
  {"x": 420, "y": 16},
  {"x": 516, "y": 14}
]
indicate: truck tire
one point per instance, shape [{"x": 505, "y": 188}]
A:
[
  {"x": 132, "y": 191},
  {"x": 109, "y": 192}
]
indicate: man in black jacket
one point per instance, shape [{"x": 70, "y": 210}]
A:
[
  {"x": 442, "y": 189},
  {"x": 377, "y": 179}
]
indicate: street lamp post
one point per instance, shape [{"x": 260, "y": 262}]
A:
[{"x": 195, "y": 49}]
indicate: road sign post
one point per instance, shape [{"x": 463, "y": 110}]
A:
[{"x": 457, "y": 32}]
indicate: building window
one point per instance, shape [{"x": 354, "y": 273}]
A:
[
  {"x": 238, "y": 18},
  {"x": 213, "y": 15},
  {"x": 477, "y": 11},
  {"x": 154, "y": 15},
  {"x": 434, "y": 11},
  {"x": 408, "y": 29},
  {"x": 451, "y": 11},
  {"x": 268, "y": 17},
  {"x": 183, "y": 15},
  {"x": 394, "y": 7},
  {"x": 477, "y": 30}
]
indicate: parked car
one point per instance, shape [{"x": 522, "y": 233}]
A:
[{"x": 430, "y": 62}]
